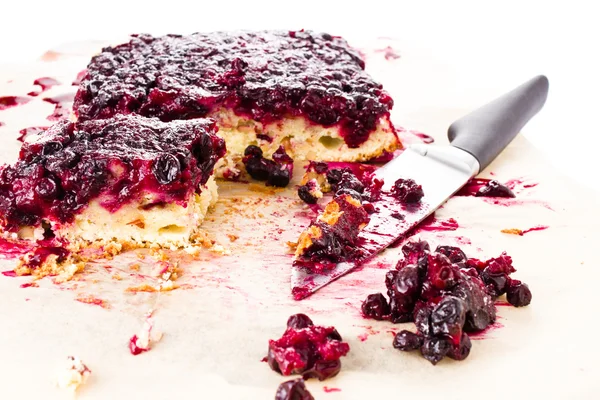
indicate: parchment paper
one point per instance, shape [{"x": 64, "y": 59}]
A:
[{"x": 217, "y": 324}]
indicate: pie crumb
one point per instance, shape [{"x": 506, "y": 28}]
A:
[{"x": 74, "y": 374}]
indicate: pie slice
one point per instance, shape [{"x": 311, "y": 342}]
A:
[
  {"x": 306, "y": 91},
  {"x": 125, "y": 179}
]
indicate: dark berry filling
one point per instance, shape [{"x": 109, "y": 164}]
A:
[
  {"x": 116, "y": 160},
  {"x": 276, "y": 172},
  {"x": 333, "y": 237},
  {"x": 446, "y": 295},
  {"x": 309, "y": 350},
  {"x": 293, "y": 390},
  {"x": 407, "y": 191},
  {"x": 264, "y": 75}
]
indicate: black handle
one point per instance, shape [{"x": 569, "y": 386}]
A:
[{"x": 488, "y": 130}]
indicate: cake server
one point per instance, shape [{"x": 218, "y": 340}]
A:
[{"x": 475, "y": 141}]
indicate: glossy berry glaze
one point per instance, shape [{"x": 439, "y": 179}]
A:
[
  {"x": 293, "y": 390},
  {"x": 446, "y": 295},
  {"x": 12, "y": 101},
  {"x": 276, "y": 172},
  {"x": 265, "y": 76},
  {"x": 117, "y": 159},
  {"x": 309, "y": 350}
]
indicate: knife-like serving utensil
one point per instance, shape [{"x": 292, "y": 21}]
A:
[{"x": 475, "y": 141}]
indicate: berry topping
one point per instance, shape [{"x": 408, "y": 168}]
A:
[
  {"x": 494, "y": 188},
  {"x": 293, "y": 390},
  {"x": 264, "y": 75},
  {"x": 277, "y": 172},
  {"x": 117, "y": 160},
  {"x": 518, "y": 294},
  {"x": 307, "y": 349},
  {"x": 407, "y": 191},
  {"x": 446, "y": 295}
]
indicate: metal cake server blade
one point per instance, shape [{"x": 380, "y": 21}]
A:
[{"x": 475, "y": 141}]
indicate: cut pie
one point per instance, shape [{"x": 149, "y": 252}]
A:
[
  {"x": 125, "y": 179},
  {"x": 306, "y": 91}
]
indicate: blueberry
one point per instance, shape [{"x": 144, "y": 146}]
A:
[
  {"x": 461, "y": 350},
  {"x": 496, "y": 283},
  {"x": 518, "y": 294},
  {"x": 435, "y": 348},
  {"x": 323, "y": 370},
  {"x": 279, "y": 177},
  {"x": 299, "y": 321},
  {"x": 334, "y": 176},
  {"x": 166, "y": 169},
  {"x": 414, "y": 250},
  {"x": 375, "y": 306},
  {"x": 455, "y": 254},
  {"x": 448, "y": 317},
  {"x": 305, "y": 195},
  {"x": 293, "y": 390},
  {"x": 350, "y": 181},
  {"x": 258, "y": 168},
  {"x": 494, "y": 189},
  {"x": 46, "y": 188},
  {"x": 405, "y": 289},
  {"x": 422, "y": 318},
  {"x": 253, "y": 151},
  {"x": 407, "y": 341}
]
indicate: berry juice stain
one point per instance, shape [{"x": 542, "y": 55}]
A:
[
  {"x": 2, "y": 124},
  {"x": 388, "y": 53},
  {"x": 79, "y": 77},
  {"x": 45, "y": 84},
  {"x": 7, "y": 102},
  {"x": 9, "y": 250},
  {"x": 62, "y": 106}
]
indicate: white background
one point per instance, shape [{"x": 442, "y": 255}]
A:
[{"x": 492, "y": 44}]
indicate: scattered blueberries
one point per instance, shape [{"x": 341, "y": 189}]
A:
[{"x": 446, "y": 295}]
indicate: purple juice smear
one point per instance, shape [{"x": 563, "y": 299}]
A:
[
  {"x": 45, "y": 84},
  {"x": 7, "y": 102}
]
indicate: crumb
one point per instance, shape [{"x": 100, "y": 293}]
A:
[
  {"x": 117, "y": 277},
  {"x": 74, "y": 374},
  {"x": 232, "y": 238},
  {"x": 89, "y": 299},
  {"x": 512, "y": 231},
  {"x": 143, "y": 341},
  {"x": 141, "y": 288},
  {"x": 134, "y": 267}
]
